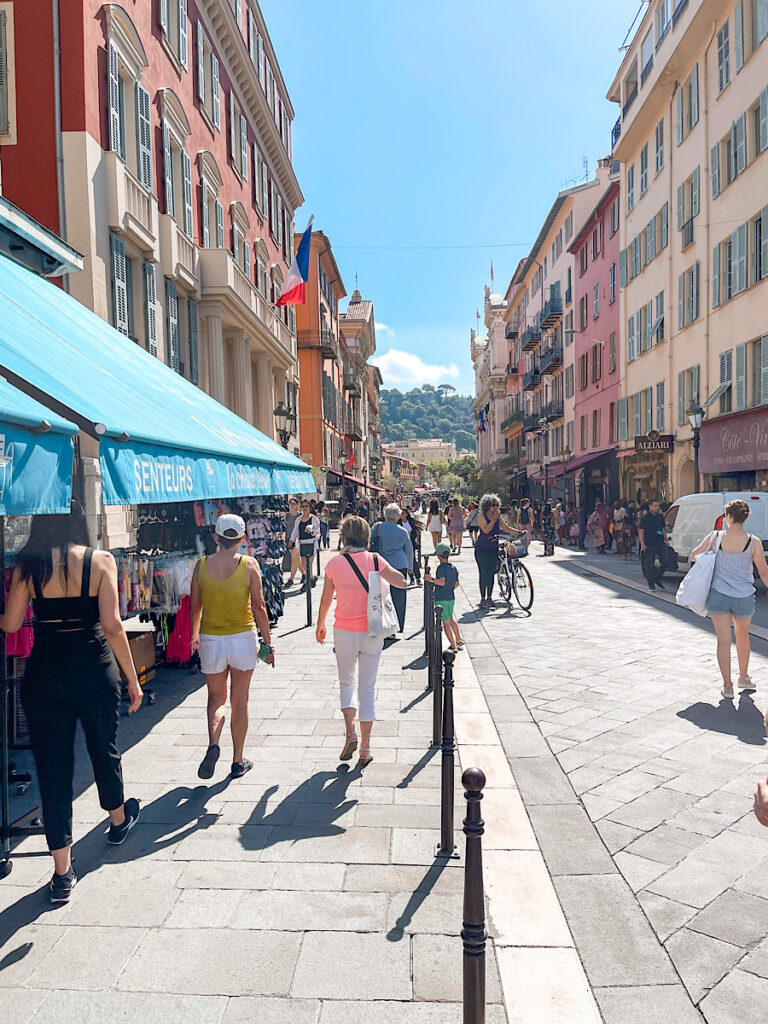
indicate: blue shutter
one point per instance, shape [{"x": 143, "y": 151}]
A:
[
  {"x": 716, "y": 276},
  {"x": 740, "y": 389},
  {"x": 681, "y": 398},
  {"x": 200, "y": 64},
  {"x": 623, "y": 268},
  {"x": 233, "y": 126},
  {"x": 194, "y": 361},
  {"x": 150, "y": 306},
  {"x": 243, "y": 148},
  {"x": 144, "y": 135},
  {"x": 694, "y": 94},
  {"x": 186, "y": 167},
  {"x": 738, "y": 36},
  {"x": 681, "y": 302},
  {"x": 680, "y": 206},
  {"x": 764, "y": 242},
  {"x": 763, "y": 115},
  {"x": 183, "y": 56},
  {"x": 115, "y": 141},
  {"x": 664, "y": 225},
  {"x": 172, "y": 320},
  {"x": 219, "y": 225},
  {"x": 714, "y": 169},
  {"x": 623, "y": 419},
  {"x": 648, "y": 409},
  {"x": 741, "y": 143},
  {"x": 204, "y": 220},
  {"x": 119, "y": 284},
  {"x": 215, "y": 94},
  {"x": 695, "y": 192},
  {"x": 246, "y": 258},
  {"x": 630, "y": 339},
  {"x": 170, "y": 204},
  {"x": 679, "y": 122}
]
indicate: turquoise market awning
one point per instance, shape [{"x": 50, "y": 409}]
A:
[
  {"x": 36, "y": 450},
  {"x": 161, "y": 438}
]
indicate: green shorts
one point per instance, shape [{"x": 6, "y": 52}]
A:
[{"x": 447, "y": 607}]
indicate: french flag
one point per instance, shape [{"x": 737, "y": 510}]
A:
[{"x": 295, "y": 285}]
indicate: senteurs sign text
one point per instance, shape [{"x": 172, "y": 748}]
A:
[{"x": 155, "y": 476}]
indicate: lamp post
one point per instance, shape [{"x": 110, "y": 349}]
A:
[
  {"x": 542, "y": 432},
  {"x": 696, "y": 417},
  {"x": 285, "y": 421},
  {"x": 565, "y": 456}
]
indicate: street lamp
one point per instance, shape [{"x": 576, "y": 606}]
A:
[
  {"x": 695, "y": 417},
  {"x": 542, "y": 432},
  {"x": 285, "y": 421},
  {"x": 565, "y": 456}
]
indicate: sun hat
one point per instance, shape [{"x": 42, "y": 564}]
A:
[{"x": 230, "y": 527}]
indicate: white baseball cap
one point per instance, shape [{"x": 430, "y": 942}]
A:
[{"x": 230, "y": 527}]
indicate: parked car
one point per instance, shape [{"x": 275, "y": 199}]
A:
[{"x": 692, "y": 517}]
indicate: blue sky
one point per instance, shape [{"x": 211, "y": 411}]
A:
[{"x": 423, "y": 124}]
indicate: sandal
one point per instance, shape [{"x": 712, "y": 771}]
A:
[
  {"x": 363, "y": 762},
  {"x": 746, "y": 685},
  {"x": 349, "y": 748}
]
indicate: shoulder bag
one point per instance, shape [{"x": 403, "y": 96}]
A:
[
  {"x": 695, "y": 586},
  {"x": 382, "y": 617}
]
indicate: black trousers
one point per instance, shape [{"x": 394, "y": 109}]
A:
[
  {"x": 652, "y": 572},
  {"x": 70, "y": 679},
  {"x": 487, "y": 562},
  {"x": 399, "y": 596}
]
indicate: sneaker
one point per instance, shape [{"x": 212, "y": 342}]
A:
[
  {"x": 119, "y": 833},
  {"x": 651, "y": 586},
  {"x": 727, "y": 692},
  {"x": 207, "y": 765},
  {"x": 62, "y": 885},
  {"x": 746, "y": 685},
  {"x": 660, "y": 585},
  {"x": 461, "y": 645},
  {"x": 239, "y": 768}
]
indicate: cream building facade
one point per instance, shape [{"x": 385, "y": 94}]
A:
[
  {"x": 490, "y": 362},
  {"x": 425, "y": 450},
  {"x": 692, "y": 140}
]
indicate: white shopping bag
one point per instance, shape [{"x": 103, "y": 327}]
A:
[
  {"x": 694, "y": 589},
  {"x": 382, "y": 617}
]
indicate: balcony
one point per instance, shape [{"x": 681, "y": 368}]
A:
[
  {"x": 221, "y": 279},
  {"x": 510, "y": 332},
  {"x": 687, "y": 233},
  {"x": 531, "y": 422},
  {"x": 531, "y": 380},
  {"x": 328, "y": 344},
  {"x": 531, "y": 337},
  {"x": 354, "y": 431},
  {"x": 352, "y": 382},
  {"x": 615, "y": 136},
  {"x": 551, "y": 360},
  {"x": 568, "y": 295},
  {"x": 180, "y": 260},
  {"x": 514, "y": 418},
  {"x": 646, "y": 71},
  {"x": 552, "y": 310},
  {"x": 131, "y": 209},
  {"x": 512, "y": 369},
  {"x": 553, "y": 410},
  {"x": 630, "y": 100}
]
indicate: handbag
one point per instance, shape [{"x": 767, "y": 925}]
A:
[
  {"x": 695, "y": 586},
  {"x": 382, "y": 617}
]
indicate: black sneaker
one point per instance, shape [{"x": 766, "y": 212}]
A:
[
  {"x": 62, "y": 885},
  {"x": 119, "y": 833},
  {"x": 239, "y": 768},
  {"x": 660, "y": 585},
  {"x": 205, "y": 771},
  {"x": 651, "y": 586}
]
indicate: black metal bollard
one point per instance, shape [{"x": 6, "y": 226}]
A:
[
  {"x": 308, "y": 569},
  {"x": 473, "y": 933},
  {"x": 447, "y": 847},
  {"x": 427, "y": 615},
  {"x": 436, "y": 675}
]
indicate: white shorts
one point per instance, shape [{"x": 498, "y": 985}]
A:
[{"x": 237, "y": 650}]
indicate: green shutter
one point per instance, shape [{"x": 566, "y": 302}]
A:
[
  {"x": 694, "y": 396},
  {"x": 172, "y": 322},
  {"x": 144, "y": 135},
  {"x": 200, "y": 64},
  {"x": 623, "y": 268},
  {"x": 630, "y": 339},
  {"x": 741, "y": 143},
  {"x": 679, "y": 120},
  {"x": 694, "y": 94},
  {"x": 738, "y": 36},
  {"x": 664, "y": 225},
  {"x": 715, "y": 276},
  {"x": 186, "y": 167},
  {"x": 215, "y": 93},
  {"x": 680, "y": 206},
  {"x": 183, "y": 47},
  {"x": 219, "y": 225},
  {"x": 115, "y": 141},
  {"x": 623, "y": 420},
  {"x": 170, "y": 205},
  {"x": 648, "y": 409},
  {"x": 714, "y": 169},
  {"x": 681, "y": 302},
  {"x": 681, "y": 398},
  {"x": 695, "y": 192},
  {"x": 763, "y": 116},
  {"x": 695, "y": 291},
  {"x": 741, "y": 377},
  {"x": 243, "y": 148},
  {"x": 764, "y": 242},
  {"x": 194, "y": 359},
  {"x": 119, "y": 284},
  {"x": 205, "y": 220},
  {"x": 150, "y": 306}
]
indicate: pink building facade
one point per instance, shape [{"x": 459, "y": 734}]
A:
[{"x": 593, "y": 469}]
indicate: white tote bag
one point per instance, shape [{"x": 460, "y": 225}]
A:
[
  {"x": 382, "y": 617},
  {"x": 694, "y": 589}
]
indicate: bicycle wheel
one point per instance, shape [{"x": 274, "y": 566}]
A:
[
  {"x": 505, "y": 584},
  {"x": 523, "y": 585}
]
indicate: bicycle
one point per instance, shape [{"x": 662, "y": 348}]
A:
[{"x": 513, "y": 575}]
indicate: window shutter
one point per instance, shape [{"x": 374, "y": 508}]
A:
[
  {"x": 623, "y": 268},
  {"x": 279, "y": 219},
  {"x": 168, "y": 171},
  {"x": 695, "y": 291},
  {"x": 695, "y": 192},
  {"x": 186, "y": 167},
  {"x": 681, "y": 302},
  {"x": 246, "y": 258},
  {"x": 680, "y": 206},
  {"x": 194, "y": 358},
  {"x": 233, "y": 128},
  {"x": 664, "y": 225},
  {"x": 648, "y": 324},
  {"x": 637, "y": 413},
  {"x": 119, "y": 284},
  {"x": 694, "y": 396},
  {"x": 260, "y": 57},
  {"x": 660, "y": 405},
  {"x": 681, "y": 398},
  {"x": 204, "y": 219},
  {"x": 251, "y": 37},
  {"x": 741, "y": 143},
  {"x": 623, "y": 418},
  {"x": 679, "y": 125},
  {"x": 115, "y": 142},
  {"x": 648, "y": 409},
  {"x": 734, "y": 146},
  {"x": 237, "y": 13},
  {"x": 764, "y": 240},
  {"x": 215, "y": 95},
  {"x": 235, "y": 242},
  {"x": 761, "y": 22},
  {"x": 172, "y": 320},
  {"x": 725, "y": 367},
  {"x": 763, "y": 115},
  {"x": 219, "y": 225},
  {"x": 200, "y": 64},
  {"x": 715, "y": 276},
  {"x": 639, "y": 347},
  {"x": 764, "y": 369},
  {"x": 714, "y": 169},
  {"x": 165, "y": 19},
  {"x": 150, "y": 306},
  {"x": 243, "y": 148},
  {"x": 183, "y": 55},
  {"x": 264, "y": 189},
  {"x": 738, "y": 36},
  {"x": 630, "y": 339},
  {"x": 741, "y": 376},
  {"x": 144, "y": 136},
  {"x": 694, "y": 94}
]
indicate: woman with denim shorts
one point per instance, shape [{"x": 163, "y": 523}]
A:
[{"x": 732, "y": 593}]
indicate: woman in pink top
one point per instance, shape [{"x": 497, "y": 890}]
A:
[{"x": 357, "y": 654}]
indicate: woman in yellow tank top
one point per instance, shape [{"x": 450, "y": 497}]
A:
[{"x": 228, "y": 596}]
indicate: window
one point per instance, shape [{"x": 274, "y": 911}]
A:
[
  {"x": 583, "y": 257},
  {"x": 658, "y": 324},
  {"x": 612, "y": 352},
  {"x": 739, "y": 387},
  {"x": 612, "y": 283},
  {"x": 615, "y": 214},
  {"x": 630, "y": 187},
  {"x": 644, "y": 169},
  {"x": 760, "y": 246},
  {"x": 660, "y": 405},
  {"x": 760, "y": 116},
  {"x": 583, "y": 372},
  {"x": 177, "y": 167},
  {"x": 723, "y": 58},
  {"x": 688, "y": 296},
  {"x": 663, "y": 19},
  {"x": 568, "y": 328},
  {"x": 664, "y": 226},
  {"x": 129, "y": 105},
  {"x": 660, "y": 145},
  {"x": 650, "y": 241},
  {"x": 597, "y": 241},
  {"x": 583, "y": 442},
  {"x": 687, "y": 392},
  {"x": 595, "y": 301},
  {"x": 173, "y": 22},
  {"x": 568, "y": 225},
  {"x": 646, "y": 55},
  {"x": 630, "y": 339},
  {"x": 597, "y": 361},
  {"x": 726, "y": 370},
  {"x": 687, "y": 105},
  {"x": 208, "y": 92},
  {"x": 7, "y": 77},
  {"x": 583, "y": 314},
  {"x": 238, "y": 138},
  {"x": 122, "y": 287},
  {"x": 569, "y": 381}
]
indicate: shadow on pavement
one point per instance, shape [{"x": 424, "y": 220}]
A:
[
  {"x": 421, "y": 763},
  {"x": 745, "y": 722},
  {"x": 424, "y": 888},
  {"x": 416, "y": 700}
]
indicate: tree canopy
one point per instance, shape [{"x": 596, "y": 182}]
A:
[{"x": 427, "y": 412}]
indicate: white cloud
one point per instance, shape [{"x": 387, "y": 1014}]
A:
[
  {"x": 406, "y": 370},
  {"x": 385, "y": 329}
]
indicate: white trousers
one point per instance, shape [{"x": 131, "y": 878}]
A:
[{"x": 357, "y": 659}]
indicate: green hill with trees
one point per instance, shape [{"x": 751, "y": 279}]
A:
[{"x": 428, "y": 412}]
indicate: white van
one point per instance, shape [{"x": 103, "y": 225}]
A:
[{"x": 692, "y": 517}]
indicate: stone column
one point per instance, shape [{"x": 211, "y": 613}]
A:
[
  {"x": 243, "y": 391},
  {"x": 265, "y": 413},
  {"x": 216, "y": 374}
]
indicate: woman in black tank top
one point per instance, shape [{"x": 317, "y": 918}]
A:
[{"x": 72, "y": 676}]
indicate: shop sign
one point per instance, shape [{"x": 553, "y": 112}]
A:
[
  {"x": 637, "y": 465},
  {"x": 735, "y": 443},
  {"x": 653, "y": 441}
]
